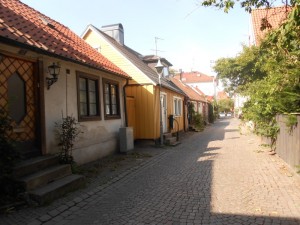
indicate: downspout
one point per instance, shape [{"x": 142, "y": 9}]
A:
[
  {"x": 184, "y": 113},
  {"x": 125, "y": 105}
]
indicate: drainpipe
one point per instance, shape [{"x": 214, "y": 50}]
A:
[{"x": 125, "y": 105}]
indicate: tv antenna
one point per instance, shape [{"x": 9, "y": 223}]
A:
[{"x": 156, "y": 50}]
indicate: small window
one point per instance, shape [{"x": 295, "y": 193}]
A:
[
  {"x": 111, "y": 99},
  {"x": 88, "y": 97},
  {"x": 177, "y": 104}
]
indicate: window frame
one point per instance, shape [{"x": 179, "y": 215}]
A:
[
  {"x": 97, "y": 91},
  {"x": 116, "y": 83},
  {"x": 177, "y": 100}
]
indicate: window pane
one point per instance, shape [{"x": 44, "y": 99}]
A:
[
  {"x": 106, "y": 88},
  {"x": 107, "y": 109},
  {"x": 83, "y": 97},
  {"x": 107, "y": 100},
  {"x": 114, "y": 110},
  {"x": 113, "y": 99},
  {"x": 92, "y": 97},
  {"x": 83, "y": 109},
  {"x": 179, "y": 106},
  {"x": 92, "y": 85},
  {"x": 82, "y": 84},
  {"x": 113, "y": 89},
  {"x": 93, "y": 109}
]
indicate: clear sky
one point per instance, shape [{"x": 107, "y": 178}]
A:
[{"x": 191, "y": 36}]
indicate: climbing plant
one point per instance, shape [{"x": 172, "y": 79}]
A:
[{"x": 269, "y": 75}]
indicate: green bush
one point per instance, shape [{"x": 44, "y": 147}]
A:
[{"x": 67, "y": 130}]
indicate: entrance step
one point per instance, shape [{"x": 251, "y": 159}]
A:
[
  {"x": 45, "y": 179},
  {"x": 45, "y": 176},
  {"x": 57, "y": 188},
  {"x": 169, "y": 139},
  {"x": 30, "y": 166}
]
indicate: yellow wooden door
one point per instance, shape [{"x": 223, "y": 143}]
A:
[{"x": 130, "y": 106}]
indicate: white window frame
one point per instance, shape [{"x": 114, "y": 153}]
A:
[{"x": 177, "y": 106}]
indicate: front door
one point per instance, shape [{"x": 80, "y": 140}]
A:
[
  {"x": 163, "y": 99},
  {"x": 130, "y": 107},
  {"x": 17, "y": 98}
]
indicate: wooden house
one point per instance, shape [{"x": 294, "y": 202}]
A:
[{"x": 146, "y": 96}]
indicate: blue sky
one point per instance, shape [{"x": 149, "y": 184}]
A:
[{"x": 192, "y": 36}]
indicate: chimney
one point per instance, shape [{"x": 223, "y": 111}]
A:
[
  {"x": 180, "y": 74},
  {"x": 116, "y": 31}
]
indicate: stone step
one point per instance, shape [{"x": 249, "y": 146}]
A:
[
  {"x": 175, "y": 143},
  {"x": 57, "y": 188},
  {"x": 45, "y": 176},
  {"x": 170, "y": 140},
  {"x": 167, "y": 135},
  {"x": 35, "y": 164}
]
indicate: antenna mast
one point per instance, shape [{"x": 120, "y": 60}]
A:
[{"x": 156, "y": 50}]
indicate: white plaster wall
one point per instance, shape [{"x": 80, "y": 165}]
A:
[{"x": 99, "y": 138}]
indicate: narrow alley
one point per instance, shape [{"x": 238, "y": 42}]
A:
[{"x": 217, "y": 176}]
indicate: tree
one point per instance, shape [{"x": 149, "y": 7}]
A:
[
  {"x": 269, "y": 75},
  {"x": 248, "y": 5},
  {"x": 237, "y": 71},
  {"x": 225, "y": 105}
]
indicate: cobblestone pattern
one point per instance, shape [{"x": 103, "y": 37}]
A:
[{"x": 214, "y": 177}]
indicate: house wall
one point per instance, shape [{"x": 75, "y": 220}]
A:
[
  {"x": 115, "y": 56},
  {"x": 145, "y": 111},
  {"x": 170, "y": 110},
  {"x": 98, "y": 138}
]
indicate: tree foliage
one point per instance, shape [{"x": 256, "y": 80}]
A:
[
  {"x": 248, "y": 5},
  {"x": 225, "y": 105},
  {"x": 268, "y": 74}
]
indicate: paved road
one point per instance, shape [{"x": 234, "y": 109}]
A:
[{"x": 214, "y": 177}]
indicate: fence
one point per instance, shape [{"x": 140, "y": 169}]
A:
[{"x": 287, "y": 144}]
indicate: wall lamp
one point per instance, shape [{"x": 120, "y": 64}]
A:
[{"x": 53, "y": 71}]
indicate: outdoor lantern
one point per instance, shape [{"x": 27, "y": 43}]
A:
[
  {"x": 53, "y": 71},
  {"x": 159, "y": 67}
]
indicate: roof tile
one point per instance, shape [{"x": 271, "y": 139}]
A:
[
  {"x": 195, "y": 77},
  {"x": 21, "y": 23},
  {"x": 274, "y": 16}
]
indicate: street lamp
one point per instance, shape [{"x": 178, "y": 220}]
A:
[{"x": 159, "y": 68}]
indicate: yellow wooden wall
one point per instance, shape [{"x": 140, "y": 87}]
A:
[
  {"x": 115, "y": 56},
  {"x": 180, "y": 119},
  {"x": 147, "y": 111},
  {"x": 144, "y": 110}
]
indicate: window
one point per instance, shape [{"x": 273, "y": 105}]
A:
[
  {"x": 111, "y": 99},
  {"x": 88, "y": 97},
  {"x": 177, "y": 104}
]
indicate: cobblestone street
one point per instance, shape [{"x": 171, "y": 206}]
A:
[{"x": 217, "y": 176}]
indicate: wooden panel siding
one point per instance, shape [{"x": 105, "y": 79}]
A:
[
  {"x": 144, "y": 110},
  {"x": 287, "y": 144},
  {"x": 170, "y": 110},
  {"x": 96, "y": 41}
]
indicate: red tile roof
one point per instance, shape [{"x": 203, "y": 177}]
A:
[
  {"x": 190, "y": 92},
  {"x": 222, "y": 95},
  {"x": 195, "y": 77},
  {"x": 274, "y": 18},
  {"x": 26, "y": 27}
]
